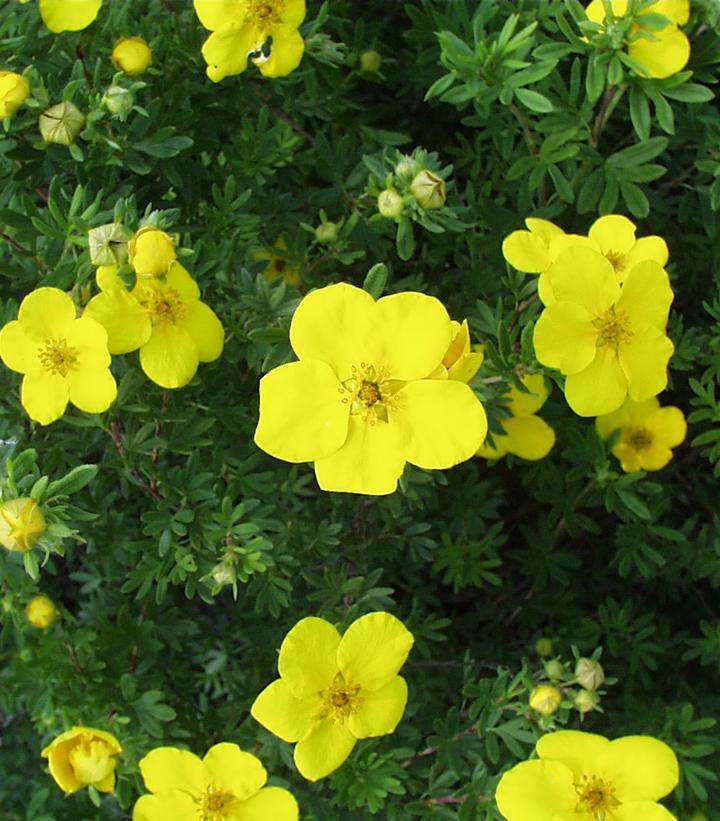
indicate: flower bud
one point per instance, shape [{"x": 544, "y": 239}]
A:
[
  {"x": 585, "y": 701},
  {"x": 151, "y": 252},
  {"x": 224, "y": 573},
  {"x": 370, "y": 61},
  {"x": 390, "y": 203},
  {"x": 407, "y": 166},
  {"x": 118, "y": 100},
  {"x": 61, "y": 123},
  {"x": 83, "y": 756},
  {"x": 545, "y": 699},
  {"x": 554, "y": 669},
  {"x": 108, "y": 244},
  {"x": 14, "y": 90},
  {"x": 544, "y": 646},
  {"x": 132, "y": 55},
  {"x": 428, "y": 189},
  {"x": 589, "y": 674},
  {"x": 326, "y": 233},
  {"x": 21, "y": 524},
  {"x": 41, "y": 612}
]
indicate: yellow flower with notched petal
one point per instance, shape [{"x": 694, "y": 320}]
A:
[
  {"x": 608, "y": 339},
  {"x": 333, "y": 691},
  {"x": 68, "y": 15},
  {"x": 132, "y": 55},
  {"x": 164, "y": 318},
  {"x": 241, "y": 27},
  {"x": 226, "y": 785},
  {"x": 662, "y": 52},
  {"x": 362, "y": 400},
  {"x": 526, "y": 435},
  {"x": 14, "y": 90},
  {"x": 21, "y": 524},
  {"x": 151, "y": 252},
  {"x": 81, "y": 757},
  {"x": 586, "y": 776},
  {"x": 41, "y": 612},
  {"x": 647, "y": 433},
  {"x": 63, "y": 358}
]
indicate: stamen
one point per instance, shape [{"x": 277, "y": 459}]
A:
[
  {"x": 340, "y": 700},
  {"x": 370, "y": 393},
  {"x": 215, "y": 805},
  {"x": 164, "y": 304},
  {"x": 639, "y": 438},
  {"x": 596, "y": 798},
  {"x": 613, "y": 327},
  {"x": 57, "y": 357},
  {"x": 616, "y": 259}
]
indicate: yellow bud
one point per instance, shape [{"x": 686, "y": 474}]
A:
[
  {"x": 83, "y": 756},
  {"x": 428, "y": 189},
  {"x": 554, "y": 669},
  {"x": 544, "y": 646},
  {"x": 61, "y": 123},
  {"x": 370, "y": 61},
  {"x": 14, "y": 90},
  {"x": 586, "y": 700},
  {"x": 151, "y": 252},
  {"x": 21, "y": 524},
  {"x": 41, "y": 612},
  {"x": 589, "y": 673},
  {"x": 390, "y": 203},
  {"x": 132, "y": 55},
  {"x": 545, "y": 699}
]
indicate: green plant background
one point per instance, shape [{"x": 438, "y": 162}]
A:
[{"x": 479, "y": 561}]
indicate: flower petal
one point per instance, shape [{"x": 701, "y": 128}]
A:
[
  {"x": 380, "y": 711},
  {"x": 536, "y": 791},
  {"x": 528, "y": 437},
  {"x": 373, "y": 649},
  {"x": 19, "y": 351},
  {"x": 89, "y": 339},
  {"x": 577, "y": 750},
  {"x": 668, "y": 425},
  {"x": 270, "y": 803},
  {"x": 323, "y": 749},
  {"x": 92, "y": 390},
  {"x": 46, "y": 312},
  {"x": 292, "y": 13},
  {"x": 584, "y": 277},
  {"x": 126, "y": 322},
  {"x": 524, "y": 404},
  {"x": 302, "y": 415},
  {"x": 59, "y": 15},
  {"x": 613, "y": 233},
  {"x": 370, "y": 461},
  {"x": 169, "y": 357},
  {"x": 645, "y": 810},
  {"x": 165, "y": 769},
  {"x": 204, "y": 328},
  {"x": 646, "y": 295},
  {"x": 526, "y": 252},
  {"x": 179, "y": 278},
  {"x": 640, "y": 768},
  {"x": 226, "y": 50},
  {"x": 677, "y": 11},
  {"x": 644, "y": 359},
  {"x": 667, "y": 54},
  {"x": 445, "y": 422},
  {"x": 284, "y": 715},
  {"x": 600, "y": 388},
  {"x": 647, "y": 248},
  {"x": 232, "y": 770},
  {"x": 44, "y": 396},
  {"x": 307, "y": 662},
  {"x": 544, "y": 229},
  {"x": 285, "y": 54},
  {"x": 214, "y": 14},
  {"x": 565, "y": 337},
  {"x": 331, "y": 324},
  {"x": 176, "y": 805}
]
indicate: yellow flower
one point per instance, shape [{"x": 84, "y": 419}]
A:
[
  {"x": 526, "y": 435},
  {"x": 361, "y": 402},
  {"x": 132, "y": 55},
  {"x": 151, "y": 252},
  {"x": 83, "y": 756},
  {"x": 609, "y": 340},
  {"x": 460, "y": 362},
  {"x": 240, "y": 29},
  {"x": 428, "y": 189},
  {"x": 21, "y": 524},
  {"x": 41, "y": 612},
  {"x": 333, "y": 691},
  {"x": 225, "y": 785},
  {"x": 546, "y": 699},
  {"x": 14, "y": 90},
  {"x": 63, "y": 358},
  {"x": 278, "y": 265},
  {"x": 662, "y": 52},
  {"x": 61, "y": 15},
  {"x": 164, "y": 318},
  {"x": 585, "y": 776},
  {"x": 61, "y": 123},
  {"x": 647, "y": 433}
]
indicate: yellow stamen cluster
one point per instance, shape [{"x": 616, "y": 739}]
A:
[
  {"x": 370, "y": 393},
  {"x": 215, "y": 805},
  {"x": 639, "y": 438},
  {"x": 57, "y": 357},
  {"x": 597, "y": 798},
  {"x": 265, "y": 12},
  {"x": 164, "y": 304},
  {"x": 616, "y": 259},
  {"x": 341, "y": 700},
  {"x": 613, "y": 327}
]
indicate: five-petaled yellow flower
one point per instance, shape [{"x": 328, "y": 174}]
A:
[
  {"x": 525, "y": 434},
  {"x": 14, "y": 90},
  {"x": 333, "y": 691},
  {"x": 21, "y": 524},
  {"x": 361, "y": 402},
  {"x": 661, "y": 52},
  {"x": 226, "y": 785},
  {"x": 81, "y": 757},
  {"x": 163, "y": 317},
  {"x": 240, "y": 28},
  {"x": 68, "y": 15},
  {"x": 63, "y": 358},
  {"x": 647, "y": 433},
  {"x": 608, "y": 339},
  {"x": 278, "y": 264},
  {"x": 586, "y": 777}
]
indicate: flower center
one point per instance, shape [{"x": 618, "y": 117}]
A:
[
  {"x": 613, "y": 328},
  {"x": 266, "y": 12},
  {"x": 639, "y": 438},
  {"x": 26, "y": 527},
  {"x": 91, "y": 761},
  {"x": 596, "y": 797},
  {"x": 616, "y": 259},
  {"x": 216, "y": 805},
  {"x": 370, "y": 393},
  {"x": 340, "y": 700},
  {"x": 164, "y": 305},
  {"x": 57, "y": 357}
]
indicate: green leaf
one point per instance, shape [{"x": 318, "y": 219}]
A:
[
  {"x": 533, "y": 100},
  {"x": 75, "y": 480},
  {"x": 638, "y": 154},
  {"x": 640, "y": 113},
  {"x": 689, "y": 93},
  {"x": 405, "y": 239},
  {"x": 375, "y": 280},
  {"x": 168, "y": 147}
]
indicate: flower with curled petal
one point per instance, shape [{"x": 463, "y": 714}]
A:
[{"x": 82, "y": 757}]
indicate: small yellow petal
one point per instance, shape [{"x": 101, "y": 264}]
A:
[
  {"x": 44, "y": 396},
  {"x": 380, "y": 710},
  {"x": 565, "y": 337},
  {"x": 528, "y": 437},
  {"x": 226, "y": 50},
  {"x": 126, "y": 322},
  {"x": 639, "y": 767},
  {"x": 373, "y": 649},
  {"x": 286, "y": 53},
  {"x": 536, "y": 791},
  {"x": 270, "y": 803},
  {"x": 308, "y": 657},
  {"x": 176, "y": 805},
  {"x": 323, "y": 749},
  {"x": 613, "y": 233},
  {"x": 234, "y": 771},
  {"x": 60, "y": 15},
  {"x": 663, "y": 56},
  {"x": 284, "y": 715},
  {"x": 92, "y": 390},
  {"x": 165, "y": 769},
  {"x": 600, "y": 388},
  {"x": 46, "y": 312},
  {"x": 169, "y": 357},
  {"x": 644, "y": 359}
]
